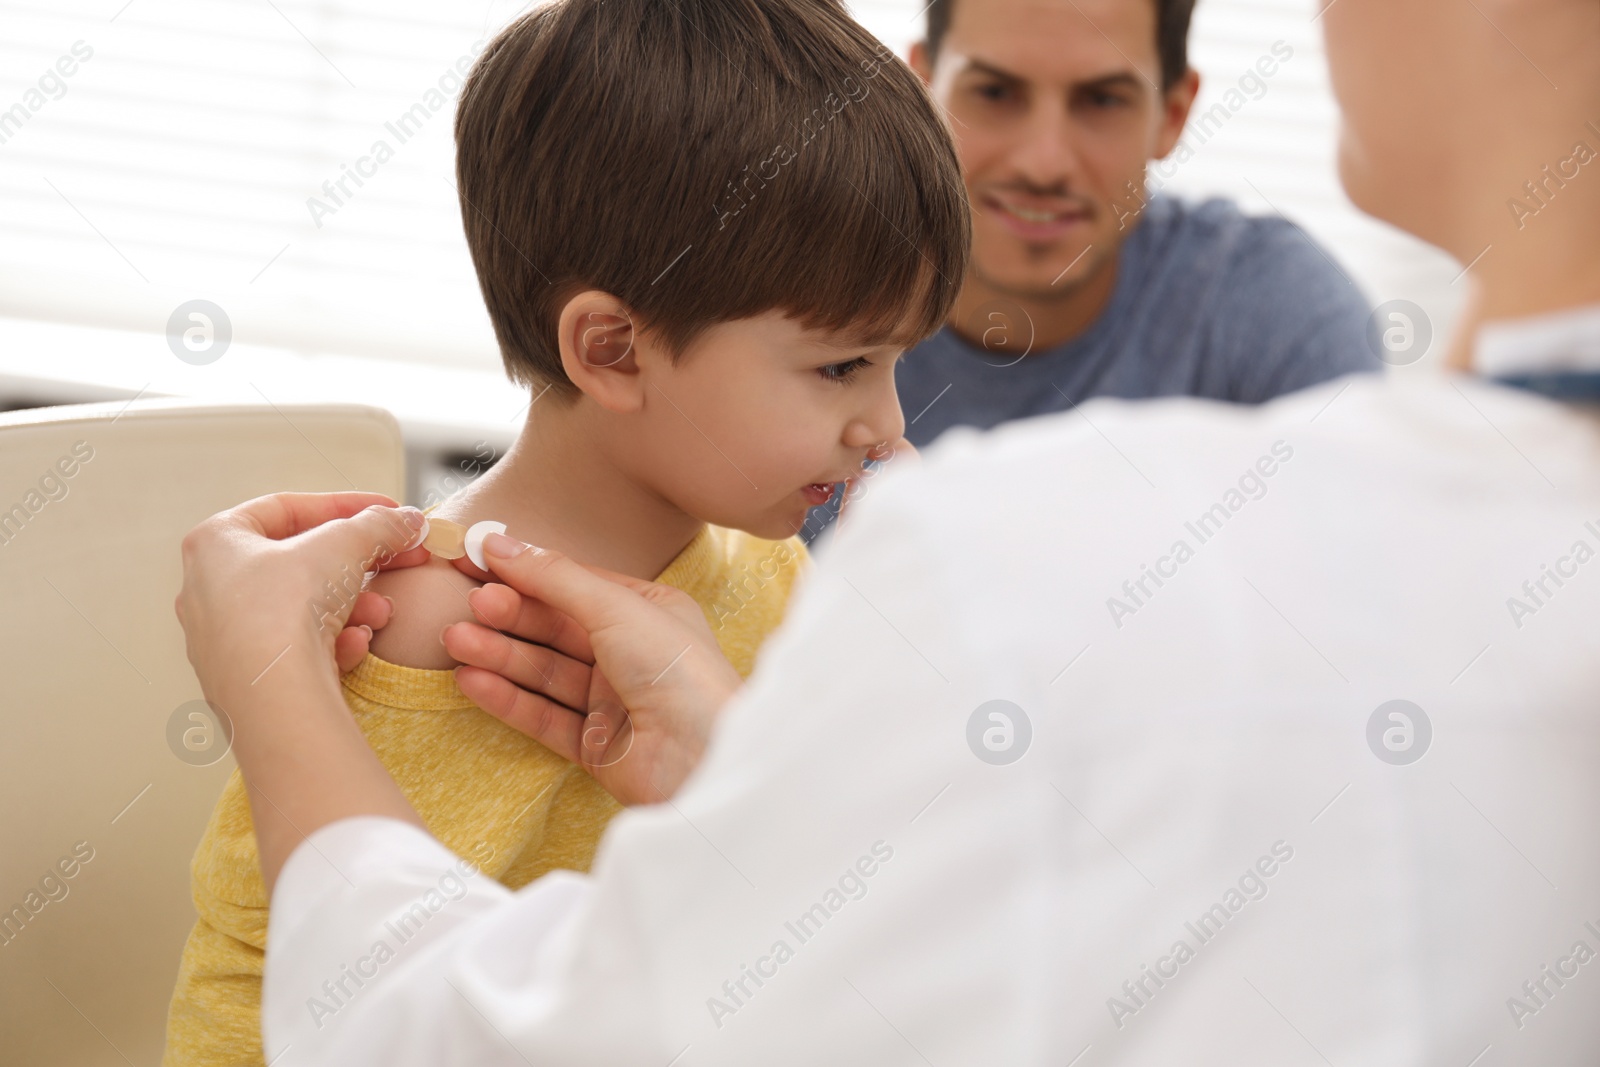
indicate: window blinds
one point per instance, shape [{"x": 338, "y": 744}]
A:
[{"x": 291, "y": 161}]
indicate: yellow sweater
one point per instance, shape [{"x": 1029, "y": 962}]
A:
[{"x": 489, "y": 793}]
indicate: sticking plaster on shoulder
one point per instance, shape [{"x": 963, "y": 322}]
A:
[{"x": 474, "y": 540}]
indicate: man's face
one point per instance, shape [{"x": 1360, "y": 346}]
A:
[{"x": 1056, "y": 109}]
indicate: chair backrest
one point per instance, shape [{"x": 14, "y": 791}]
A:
[{"x": 104, "y": 795}]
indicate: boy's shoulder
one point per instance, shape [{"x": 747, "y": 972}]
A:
[
  {"x": 732, "y": 555},
  {"x": 427, "y": 598},
  {"x": 728, "y": 571},
  {"x": 745, "y": 588}
]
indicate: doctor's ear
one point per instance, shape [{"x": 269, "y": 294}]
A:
[{"x": 598, "y": 337}]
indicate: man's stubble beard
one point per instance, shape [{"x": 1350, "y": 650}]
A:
[{"x": 1085, "y": 273}]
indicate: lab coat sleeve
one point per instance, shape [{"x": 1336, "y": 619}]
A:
[
  {"x": 377, "y": 955},
  {"x": 368, "y": 918}
]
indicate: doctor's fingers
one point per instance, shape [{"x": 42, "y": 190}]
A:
[
  {"x": 371, "y": 612},
  {"x": 371, "y": 609},
  {"x": 524, "y": 665},
  {"x": 503, "y": 608},
  {"x": 554, "y": 725}
]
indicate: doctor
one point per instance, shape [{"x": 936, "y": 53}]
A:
[{"x": 1270, "y": 738}]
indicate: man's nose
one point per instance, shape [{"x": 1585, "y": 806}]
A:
[{"x": 1046, "y": 153}]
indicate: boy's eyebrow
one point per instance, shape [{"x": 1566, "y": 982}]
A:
[{"x": 846, "y": 345}]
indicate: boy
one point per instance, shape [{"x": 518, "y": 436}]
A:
[{"x": 705, "y": 230}]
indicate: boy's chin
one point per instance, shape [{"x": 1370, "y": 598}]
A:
[
  {"x": 772, "y": 525},
  {"x": 772, "y": 530}
]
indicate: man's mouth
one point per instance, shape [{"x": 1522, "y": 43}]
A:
[
  {"x": 1036, "y": 221},
  {"x": 1033, "y": 216}
]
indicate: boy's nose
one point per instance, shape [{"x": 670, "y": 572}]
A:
[
  {"x": 882, "y": 421},
  {"x": 863, "y": 434}
]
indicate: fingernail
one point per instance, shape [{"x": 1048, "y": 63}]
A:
[
  {"x": 390, "y": 601},
  {"x": 368, "y": 629},
  {"x": 498, "y": 544},
  {"x": 414, "y": 517},
  {"x": 441, "y": 633}
]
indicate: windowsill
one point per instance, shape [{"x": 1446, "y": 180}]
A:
[{"x": 438, "y": 407}]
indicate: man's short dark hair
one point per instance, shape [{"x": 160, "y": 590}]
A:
[
  {"x": 705, "y": 161},
  {"x": 1172, "y": 34}
]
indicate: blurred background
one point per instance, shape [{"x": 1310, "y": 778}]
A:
[
  {"x": 160, "y": 158},
  {"x": 192, "y": 155}
]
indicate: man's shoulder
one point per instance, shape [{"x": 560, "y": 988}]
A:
[
  {"x": 1231, "y": 240},
  {"x": 1278, "y": 312},
  {"x": 1266, "y": 280}
]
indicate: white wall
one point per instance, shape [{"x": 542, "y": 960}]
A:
[{"x": 181, "y": 159}]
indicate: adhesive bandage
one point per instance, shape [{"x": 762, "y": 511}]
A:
[
  {"x": 474, "y": 540},
  {"x": 451, "y": 540},
  {"x": 444, "y": 538}
]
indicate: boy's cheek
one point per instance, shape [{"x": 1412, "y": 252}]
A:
[
  {"x": 740, "y": 462},
  {"x": 777, "y": 448}
]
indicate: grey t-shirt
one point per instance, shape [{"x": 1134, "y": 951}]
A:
[{"x": 1208, "y": 302}]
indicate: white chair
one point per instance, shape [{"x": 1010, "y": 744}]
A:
[{"x": 94, "y": 499}]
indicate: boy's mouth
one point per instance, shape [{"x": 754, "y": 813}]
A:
[{"x": 818, "y": 493}]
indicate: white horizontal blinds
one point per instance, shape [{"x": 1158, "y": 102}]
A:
[
  {"x": 894, "y": 22},
  {"x": 1271, "y": 146},
  {"x": 178, "y": 160},
  {"x": 176, "y": 163}
]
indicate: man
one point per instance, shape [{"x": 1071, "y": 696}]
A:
[
  {"x": 1085, "y": 281},
  {"x": 1317, "y": 787}
]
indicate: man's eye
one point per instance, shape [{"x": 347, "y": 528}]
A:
[
  {"x": 1105, "y": 101},
  {"x": 993, "y": 91},
  {"x": 843, "y": 372}
]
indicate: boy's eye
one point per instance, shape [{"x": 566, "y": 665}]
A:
[{"x": 843, "y": 372}]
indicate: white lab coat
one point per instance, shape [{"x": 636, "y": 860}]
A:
[{"x": 1207, "y": 855}]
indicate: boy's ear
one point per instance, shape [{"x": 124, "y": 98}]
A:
[{"x": 597, "y": 337}]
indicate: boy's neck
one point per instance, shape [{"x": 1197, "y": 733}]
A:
[{"x": 557, "y": 488}]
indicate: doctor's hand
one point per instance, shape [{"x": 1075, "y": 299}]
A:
[
  {"x": 267, "y": 589},
  {"x": 284, "y": 572},
  {"x": 619, "y": 675}
]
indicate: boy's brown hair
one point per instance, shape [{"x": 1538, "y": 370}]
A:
[{"x": 704, "y": 161}]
